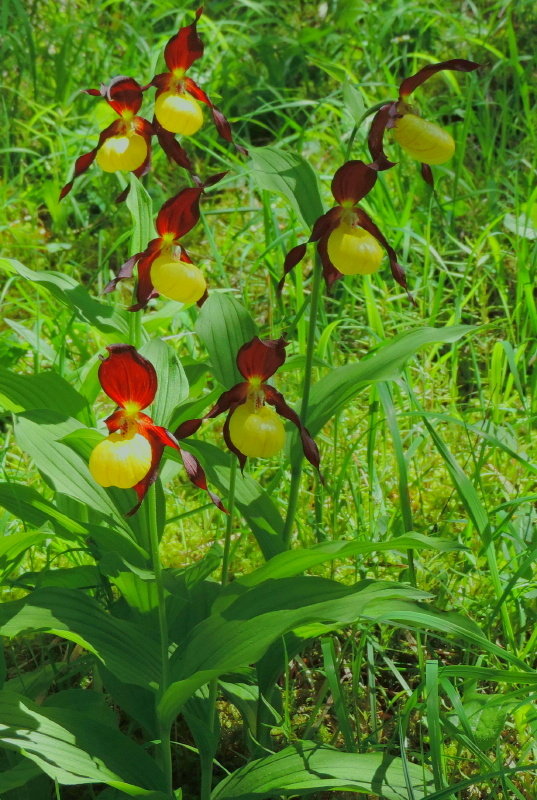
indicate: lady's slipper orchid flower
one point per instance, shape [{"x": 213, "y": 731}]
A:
[
  {"x": 125, "y": 145},
  {"x": 130, "y": 456},
  {"x": 164, "y": 267},
  {"x": 348, "y": 241},
  {"x": 252, "y": 428},
  {"x": 177, "y": 109},
  {"x": 425, "y": 141}
]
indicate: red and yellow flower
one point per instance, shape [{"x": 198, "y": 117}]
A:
[
  {"x": 177, "y": 101},
  {"x": 165, "y": 267},
  {"x": 130, "y": 455},
  {"x": 348, "y": 241},
  {"x": 425, "y": 141},
  {"x": 125, "y": 145},
  {"x": 252, "y": 427}
]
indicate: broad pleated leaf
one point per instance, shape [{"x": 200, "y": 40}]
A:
[
  {"x": 46, "y": 390},
  {"x": 123, "y": 648},
  {"x": 172, "y": 381},
  {"x": 106, "y": 318},
  {"x": 73, "y": 748},
  {"x": 141, "y": 208},
  {"x": 306, "y": 767},
  {"x": 289, "y": 175},
  {"x": 224, "y": 326},
  {"x": 334, "y": 391}
]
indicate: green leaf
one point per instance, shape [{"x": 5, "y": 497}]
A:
[
  {"x": 45, "y": 390},
  {"x": 256, "y": 505},
  {"x": 106, "y": 318},
  {"x": 172, "y": 381},
  {"x": 354, "y": 101},
  {"x": 140, "y": 206},
  {"x": 122, "y": 647},
  {"x": 291, "y": 176},
  {"x": 25, "y": 503},
  {"x": 293, "y": 562},
  {"x": 13, "y": 547},
  {"x": 73, "y": 748},
  {"x": 39, "y": 434},
  {"x": 19, "y": 775},
  {"x": 224, "y": 326},
  {"x": 335, "y": 390},
  {"x": 306, "y": 767}
]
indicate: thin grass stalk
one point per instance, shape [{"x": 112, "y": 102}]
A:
[
  {"x": 163, "y": 753},
  {"x": 296, "y": 471}
]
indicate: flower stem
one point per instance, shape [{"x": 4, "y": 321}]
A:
[
  {"x": 296, "y": 471},
  {"x": 164, "y": 755},
  {"x": 229, "y": 521}
]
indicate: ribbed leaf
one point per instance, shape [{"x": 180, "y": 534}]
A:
[
  {"x": 141, "y": 207},
  {"x": 306, "y": 767},
  {"x": 224, "y": 326},
  {"x": 172, "y": 381},
  {"x": 46, "y": 390},
  {"x": 289, "y": 175},
  {"x": 73, "y": 748},
  {"x": 69, "y": 292},
  {"x": 120, "y": 645}
]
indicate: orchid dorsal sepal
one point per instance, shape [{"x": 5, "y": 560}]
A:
[
  {"x": 250, "y": 425},
  {"x": 178, "y": 97},
  {"x": 125, "y": 145},
  {"x": 426, "y": 141},
  {"x": 130, "y": 456},
  {"x": 348, "y": 241},
  {"x": 176, "y": 217}
]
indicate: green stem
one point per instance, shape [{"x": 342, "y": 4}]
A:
[
  {"x": 229, "y": 521},
  {"x": 164, "y": 755},
  {"x": 296, "y": 471}
]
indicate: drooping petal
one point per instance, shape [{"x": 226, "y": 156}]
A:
[
  {"x": 222, "y": 125},
  {"x": 227, "y": 438},
  {"x": 330, "y": 273},
  {"x": 157, "y": 448},
  {"x": 227, "y": 400},
  {"x": 274, "y": 398},
  {"x": 171, "y": 147},
  {"x": 383, "y": 119},
  {"x": 427, "y": 174},
  {"x": 185, "y": 47},
  {"x": 128, "y": 377},
  {"x": 126, "y": 269},
  {"x": 293, "y": 257},
  {"x": 124, "y": 94},
  {"x": 180, "y": 213},
  {"x": 85, "y": 161},
  {"x": 144, "y": 286},
  {"x": 260, "y": 358},
  {"x": 365, "y": 221},
  {"x": 352, "y": 182},
  {"x": 411, "y": 83},
  {"x": 197, "y": 476},
  {"x": 324, "y": 225}
]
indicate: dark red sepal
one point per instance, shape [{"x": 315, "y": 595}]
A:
[
  {"x": 325, "y": 224},
  {"x": 293, "y": 257},
  {"x": 222, "y": 125},
  {"x": 231, "y": 399},
  {"x": 197, "y": 476},
  {"x": 127, "y": 377},
  {"x": 144, "y": 286},
  {"x": 311, "y": 451},
  {"x": 260, "y": 358},
  {"x": 227, "y": 438},
  {"x": 126, "y": 269},
  {"x": 330, "y": 273},
  {"x": 365, "y": 222},
  {"x": 185, "y": 47},
  {"x": 384, "y": 118},
  {"x": 85, "y": 161},
  {"x": 427, "y": 174},
  {"x": 352, "y": 182},
  {"x": 123, "y": 94},
  {"x": 412, "y": 82},
  {"x": 180, "y": 213},
  {"x": 171, "y": 147}
]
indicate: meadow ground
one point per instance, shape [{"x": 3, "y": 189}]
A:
[{"x": 445, "y": 450}]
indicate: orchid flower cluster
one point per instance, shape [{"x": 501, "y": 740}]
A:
[{"x": 348, "y": 242}]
